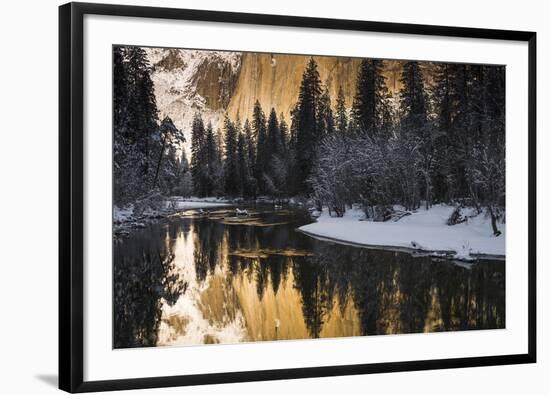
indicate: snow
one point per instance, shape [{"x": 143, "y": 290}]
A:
[
  {"x": 125, "y": 219},
  {"x": 123, "y": 214},
  {"x": 424, "y": 230},
  {"x": 241, "y": 212},
  {"x": 197, "y": 203},
  {"x": 176, "y": 90}
]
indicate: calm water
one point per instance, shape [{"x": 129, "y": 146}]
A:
[{"x": 197, "y": 279}]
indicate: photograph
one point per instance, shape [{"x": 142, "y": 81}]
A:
[{"x": 272, "y": 196}]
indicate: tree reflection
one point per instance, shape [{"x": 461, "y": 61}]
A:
[
  {"x": 387, "y": 292},
  {"x": 311, "y": 278},
  {"x": 208, "y": 235},
  {"x": 140, "y": 282},
  {"x": 392, "y": 292}
]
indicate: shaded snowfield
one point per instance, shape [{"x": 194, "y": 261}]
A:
[{"x": 424, "y": 230}]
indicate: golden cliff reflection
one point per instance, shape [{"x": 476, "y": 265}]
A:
[
  {"x": 204, "y": 279},
  {"x": 227, "y": 300}
]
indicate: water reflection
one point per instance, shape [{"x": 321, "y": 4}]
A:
[{"x": 207, "y": 279}]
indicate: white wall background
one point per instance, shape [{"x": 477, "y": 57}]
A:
[{"x": 28, "y": 197}]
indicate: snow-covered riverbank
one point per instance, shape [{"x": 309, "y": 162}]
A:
[
  {"x": 126, "y": 218},
  {"x": 424, "y": 230},
  {"x": 196, "y": 203}
]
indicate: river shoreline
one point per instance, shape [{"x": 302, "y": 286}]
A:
[
  {"x": 447, "y": 254},
  {"x": 423, "y": 232},
  {"x": 124, "y": 219}
]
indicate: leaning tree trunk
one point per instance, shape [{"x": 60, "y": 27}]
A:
[
  {"x": 428, "y": 197},
  {"x": 496, "y": 232},
  {"x": 158, "y": 163}
]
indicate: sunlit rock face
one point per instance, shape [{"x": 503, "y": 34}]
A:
[
  {"x": 274, "y": 80},
  {"x": 216, "y": 83}
]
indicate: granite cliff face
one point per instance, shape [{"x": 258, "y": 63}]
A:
[
  {"x": 218, "y": 82},
  {"x": 274, "y": 80},
  {"x": 190, "y": 81}
]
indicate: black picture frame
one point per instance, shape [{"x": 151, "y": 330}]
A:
[{"x": 71, "y": 198}]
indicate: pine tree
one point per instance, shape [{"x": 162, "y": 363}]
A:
[
  {"x": 251, "y": 160},
  {"x": 243, "y": 169},
  {"x": 292, "y": 158},
  {"x": 142, "y": 108},
  {"x": 414, "y": 124},
  {"x": 135, "y": 124},
  {"x": 274, "y": 145},
  {"x": 120, "y": 92},
  {"x": 262, "y": 149},
  {"x": 370, "y": 97},
  {"x": 341, "y": 122},
  {"x": 170, "y": 171},
  {"x": 211, "y": 161},
  {"x": 444, "y": 145},
  {"x": 307, "y": 128},
  {"x": 184, "y": 179},
  {"x": 121, "y": 147},
  {"x": 231, "y": 176},
  {"x": 275, "y": 177},
  {"x": 198, "y": 157},
  {"x": 325, "y": 117},
  {"x": 284, "y": 135}
]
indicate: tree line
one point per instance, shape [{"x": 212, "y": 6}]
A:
[
  {"x": 442, "y": 141},
  {"x": 441, "y": 138},
  {"x": 264, "y": 156}
]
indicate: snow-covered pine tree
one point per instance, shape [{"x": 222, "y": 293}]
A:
[
  {"x": 170, "y": 137},
  {"x": 135, "y": 117}
]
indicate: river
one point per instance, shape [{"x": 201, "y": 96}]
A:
[{"x": 212, "y": 277}]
